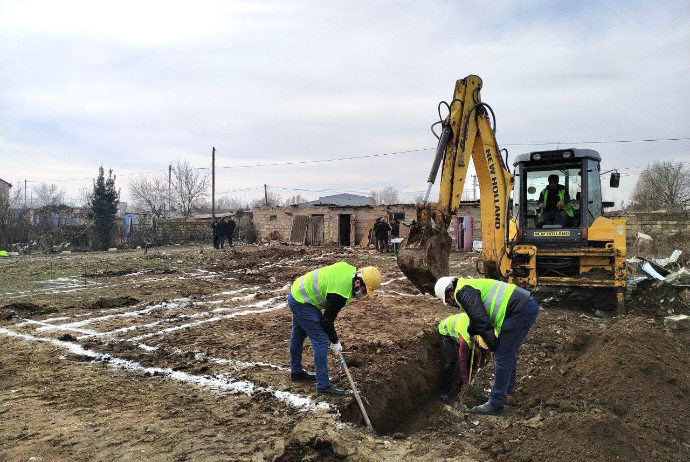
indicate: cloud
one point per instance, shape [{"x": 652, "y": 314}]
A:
[{"x": 133, "y": 86}]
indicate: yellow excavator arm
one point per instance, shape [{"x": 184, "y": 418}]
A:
[{"x": 467, "y": 133}]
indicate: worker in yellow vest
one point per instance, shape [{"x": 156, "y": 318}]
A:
[
  {"x": 315, "y": 300},
  {"x": 554, "y": 205},
  {"x": 501, "y": 314},
  {"x": 456, "y": 345}
]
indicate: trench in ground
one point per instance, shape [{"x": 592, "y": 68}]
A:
[{"x": 408, "y": 396}]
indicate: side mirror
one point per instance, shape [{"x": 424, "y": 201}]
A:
[{"x": 615, "y": 180}]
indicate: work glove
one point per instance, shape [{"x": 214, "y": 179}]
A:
[{"x": 336, "y": 348}]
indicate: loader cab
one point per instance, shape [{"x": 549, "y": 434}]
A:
[{"x": 578, "y": 186}]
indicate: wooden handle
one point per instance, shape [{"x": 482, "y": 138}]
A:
[
  {"x": 469, "y": 379},
  {"x": 354, "y": 389}
]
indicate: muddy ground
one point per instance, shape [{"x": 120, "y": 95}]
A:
[{"x": 182, "y": 354}]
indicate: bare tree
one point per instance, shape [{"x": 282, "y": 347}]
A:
[
  {"x": 274, "y": 200},
  {"x": 85, "y": 196},
  {"x": 294, "y": 200},
  {"x": 227, "y": 204},
  {"x": 150, "y": 193},
  {"x": 662, "y": 185},
  {"x": 387, "y": 195},
  {"x": 14, "y": 218},
  {"x": 190, "y": 185},
  {"x": 47, "y": 194},
  {"x": 375, "y": 196}
]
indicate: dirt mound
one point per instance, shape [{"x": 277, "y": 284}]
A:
[
  {"x": 657, "y": 299},
  {"x": 109, "y": 273},
  {"x": 115, "y": 302},
  {"x": 24, "y": 309},
  {"x": 610, "y": 394}
]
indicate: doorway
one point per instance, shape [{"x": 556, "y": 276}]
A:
[
  {"x": 344, "y": 230},
  {"x": 315, "y": 232}
]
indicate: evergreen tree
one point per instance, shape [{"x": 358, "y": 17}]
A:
[{"x": 103, "y": 209}]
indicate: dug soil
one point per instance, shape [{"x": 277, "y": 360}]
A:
[{"x": 182, "y": 354}]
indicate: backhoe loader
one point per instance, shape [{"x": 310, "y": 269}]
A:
[{"x": 583, "y": 249}]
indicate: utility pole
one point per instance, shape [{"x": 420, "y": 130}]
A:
[
  {"x": 25, "y": 193},
  {"x": 213, "y": 183},
  {"x": 169, "y": 186},
  {"x": 266, "y": 194},
  {"x": 474, "y": 186}
]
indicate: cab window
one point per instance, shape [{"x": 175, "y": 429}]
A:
[{"x": 537, "y": 180}]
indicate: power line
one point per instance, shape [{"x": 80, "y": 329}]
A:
[
  {"x": 650, "y": 140},
  {"x": 297, "y": 162},
  {"x": 387, "y": 154}
]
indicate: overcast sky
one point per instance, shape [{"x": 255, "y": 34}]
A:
[{"x": 132, "y": 85}]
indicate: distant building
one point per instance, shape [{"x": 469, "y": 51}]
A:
[
  {"x": 56, "y": 216},
  {"x": 4, "y": 190}
]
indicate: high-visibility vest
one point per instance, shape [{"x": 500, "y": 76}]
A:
[
  {"x": 495, "y": 296},
  {"x": 456, "y": 326},
  {"x": 561, "y": 195},
  {"x": 313, "y": 287}
]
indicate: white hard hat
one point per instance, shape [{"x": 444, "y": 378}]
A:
[{"x": 441, "y": 287}]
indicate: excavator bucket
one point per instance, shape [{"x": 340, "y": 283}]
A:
[{"x": 424, "y": 255}]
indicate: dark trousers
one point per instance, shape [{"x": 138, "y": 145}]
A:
[
  {"x": 221, "y": 240},
  {"x": 449, "y": 359},
  {"x": 382, "y": 244},
  {"x": 230, "y": 239},
  {"x": 553, "y": 217},
  {"x": 512, "y": 335},
  {"x": 215, "y": 240},
  {"x": 306, "y": 322}
]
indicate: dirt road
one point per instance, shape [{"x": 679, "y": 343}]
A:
[{"x": 182, "y": 354}]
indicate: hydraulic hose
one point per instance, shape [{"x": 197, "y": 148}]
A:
[{"x": 440, "y": 152}]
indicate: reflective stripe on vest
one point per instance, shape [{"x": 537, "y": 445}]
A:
[
  {"x": 456, "y": 326},
  {"x": 561, "y": 195},
  {"x": 495, "y": 297},
  {"x": 336, "y": 279},
  {"x": 320, "y": 303}
]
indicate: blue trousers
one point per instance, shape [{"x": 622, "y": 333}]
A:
[
  {"x": 306, "y": 322},
  {"x": 512, "y": 335}
]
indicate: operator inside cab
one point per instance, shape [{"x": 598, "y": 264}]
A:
[{"x": 554, "y": 204}]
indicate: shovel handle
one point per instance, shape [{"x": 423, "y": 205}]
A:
[
  {"x": 354, "y": 389},
  {"x": 469, "y": 379}
]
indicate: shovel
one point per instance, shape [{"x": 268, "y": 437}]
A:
[
  {"x": 354, "y": 390},
  {"x": 469, "y": 378}
]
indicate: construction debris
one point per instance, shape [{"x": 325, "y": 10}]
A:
[{"x": 677, "y": 322}]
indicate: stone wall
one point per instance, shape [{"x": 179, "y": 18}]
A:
[
  {"x": 4, "y": 191},
  {"x": 654, "y": 222},
  {"x": 276, "y": 222}
]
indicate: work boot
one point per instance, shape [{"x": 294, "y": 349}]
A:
[
  {"x": 303, "y": 376},
  {"x": 445, "y": 399},
  {"x": 487, "y": 409},
  {"x": 330, "y": 390}
]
